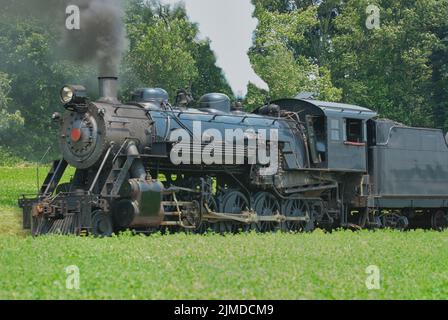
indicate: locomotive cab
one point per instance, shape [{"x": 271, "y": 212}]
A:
[{"x": 337, "y": 133}]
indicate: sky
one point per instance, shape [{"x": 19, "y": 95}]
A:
[{"x": 229, "y": 25}]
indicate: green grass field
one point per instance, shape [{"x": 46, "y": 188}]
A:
[{"x": 412, "y": 265}]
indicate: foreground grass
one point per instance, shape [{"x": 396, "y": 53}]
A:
[
  {"x": 17, "y": 181},
  {"x": 14, "y": 182},
  {"x": 413, "y": 265},
  {"x": 11, "y": 223}
]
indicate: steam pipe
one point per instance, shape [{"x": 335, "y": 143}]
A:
[{"x": 138, "y": 169}]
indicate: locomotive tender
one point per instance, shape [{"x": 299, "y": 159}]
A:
[{"x": 338, "y": 166}]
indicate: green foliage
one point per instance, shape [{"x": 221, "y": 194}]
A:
[
  {"x": 289, "y": 76},
  {"x": 245, "y": 266},
  {"x": 288, "y": 71},
  {"x": 8, "y": 158},
  {"x": 388, "y": 69},
  {"x": 211, "y": 77},
  {"x": 284, "y": 5},
  {"x": 255, "y": 97},
  {"x": 4, "y": 90},
  {"x": 10, "y": 123},
  {"x": 36, "y": 74},
  {"x": 165, "y": 51},
  {"x": 163, "y": 57},
  {"x": 400, "y": 69}
]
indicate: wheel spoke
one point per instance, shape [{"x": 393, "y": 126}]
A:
[
  {"x": 266, "y": 204},
  {"x": 234, "y": 202},
  {"x": 297, "y": 208}
]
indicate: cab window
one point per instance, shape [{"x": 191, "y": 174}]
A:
[{"x": 354, "y": 130}]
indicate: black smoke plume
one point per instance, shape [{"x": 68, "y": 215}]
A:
[{"x": 101, "y": 37}]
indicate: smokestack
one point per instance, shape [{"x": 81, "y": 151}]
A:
[{"x": 108, "y": 89}]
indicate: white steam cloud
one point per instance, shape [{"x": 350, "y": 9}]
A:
[{"x": 229, "y": 25}]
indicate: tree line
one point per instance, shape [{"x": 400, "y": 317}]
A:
[
  {"x": 164, "y": 51},
  {"x": 399, "y": 67}
]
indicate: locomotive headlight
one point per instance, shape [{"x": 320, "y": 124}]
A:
[
  {"x": 73, "y": 94},
  {"x": 67, "y": 94}
]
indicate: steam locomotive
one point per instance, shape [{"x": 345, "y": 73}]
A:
[{"x": 337, "y": 166}]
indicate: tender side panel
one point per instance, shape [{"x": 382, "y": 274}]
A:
[{"x": 409, "y": 168}]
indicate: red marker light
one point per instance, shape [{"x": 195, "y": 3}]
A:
[{"x": 75, "y": 134}]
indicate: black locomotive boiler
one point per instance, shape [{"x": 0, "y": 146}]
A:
[{"x": 338, "y": 166}]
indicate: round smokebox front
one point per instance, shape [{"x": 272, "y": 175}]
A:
[{"x": 82, "y": 138}]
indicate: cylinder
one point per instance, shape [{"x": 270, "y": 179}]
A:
[{"x": 148, "y": 198}]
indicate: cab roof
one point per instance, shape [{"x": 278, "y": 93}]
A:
[{"x": 329, "y": 109}]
